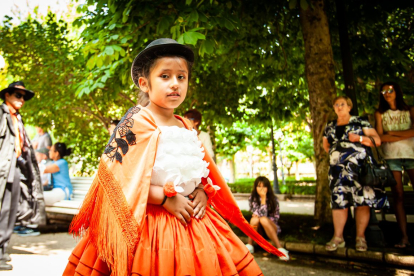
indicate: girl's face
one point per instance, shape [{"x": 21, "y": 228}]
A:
[
  {"x": 389, "y": 97},
  {"x": 53, "y": 153},
  {"x": 261, "y": 188},
  {"x": 169, "y": 82},
  {"x": 341, "y": 107}
]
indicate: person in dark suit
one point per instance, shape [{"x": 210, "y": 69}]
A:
[{"x": 19, "y": 170}]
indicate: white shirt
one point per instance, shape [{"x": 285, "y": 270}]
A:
[
  {"x": 397, "y": 120},
  {"x": 205, "y": 139},
  {"x": 45, "y": 177}
]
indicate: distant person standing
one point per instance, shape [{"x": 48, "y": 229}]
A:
[
  {"x": 346, "y": 140},
  {"x": 195, "y": 117},
  {"x": 17, "y": 165},
  {"x": 395, "y": 126},
  {"x": 42, "y": 157},
  {"x": 42, "y": 139}
]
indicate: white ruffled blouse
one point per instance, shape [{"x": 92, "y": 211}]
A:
[{"x": 179, "y": 159}]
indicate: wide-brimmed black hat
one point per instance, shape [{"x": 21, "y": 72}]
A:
[
  {"x": 18, "y": 85},
  {"x": 159, "y": 47}
]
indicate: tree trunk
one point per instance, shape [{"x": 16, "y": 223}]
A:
[
  {"x": 276, "y": 188},
  {"x": 348, "y": 71},
  {"x": 320, "y": 76},
  {"x": 297, "y": 177},
  {"x": 232, "y": 177}
]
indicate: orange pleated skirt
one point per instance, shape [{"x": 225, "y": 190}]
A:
[{"x": 206, "y": 247}]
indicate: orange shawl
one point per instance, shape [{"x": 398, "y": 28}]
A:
[{"x": 114, "y": 207}]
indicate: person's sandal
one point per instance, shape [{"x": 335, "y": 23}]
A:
[
  {"x": 361, "y": 244},
  {"x": 402, "y": 244},
  {"x": 334, "y": 244}
]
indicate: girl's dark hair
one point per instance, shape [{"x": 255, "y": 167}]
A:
[
  {"x": 144, "y": 69},
  {"x": 62, "y": 149},
  {"x": 115, "y": 122},
  {"x": 270, "y": 196},
  {"x": 193, "y": 114},
  {"x": 399, "y": 99}
]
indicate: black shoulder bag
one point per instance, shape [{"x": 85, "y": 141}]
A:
[{"x": 374, "y": 173}]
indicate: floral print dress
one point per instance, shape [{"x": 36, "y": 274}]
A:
[
  {"x": 261, "y": 210},
  {"x": 345, "y": 159}
]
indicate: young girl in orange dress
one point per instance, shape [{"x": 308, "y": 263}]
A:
[{"x": 148, "y": 210}]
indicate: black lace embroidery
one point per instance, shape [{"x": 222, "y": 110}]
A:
[{"x": 127, "y": 137}]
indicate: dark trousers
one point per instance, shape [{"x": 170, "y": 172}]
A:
[{"x": 8, "y": 212}]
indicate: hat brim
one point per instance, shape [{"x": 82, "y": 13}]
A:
[
  {"x": 43, "y": 150},
  {"x": 29, "y": 94},
  {"x": 159, "y": 50}
]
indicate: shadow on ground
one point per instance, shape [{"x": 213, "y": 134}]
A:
[{"x": 303, "y": 228}]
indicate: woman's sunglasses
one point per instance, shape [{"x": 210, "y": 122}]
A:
[
  {"x": 18, "y": 95},
  {"x": 389, "y": 91}
]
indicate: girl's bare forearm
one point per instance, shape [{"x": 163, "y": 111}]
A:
[{"x": 155, "y": 195}]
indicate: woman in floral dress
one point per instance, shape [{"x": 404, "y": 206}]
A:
[{"x": 344, "y": 139}]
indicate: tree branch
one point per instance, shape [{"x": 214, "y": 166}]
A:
[{"x": 127, "y": 98}]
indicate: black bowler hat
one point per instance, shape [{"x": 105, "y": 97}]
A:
[
  {"x": 18, "y": 85},
  {"x": 159, "y": 47}
]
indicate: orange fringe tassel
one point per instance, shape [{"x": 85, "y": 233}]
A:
[{"x": 112, "y": 227}]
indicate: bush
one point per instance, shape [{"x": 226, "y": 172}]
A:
[
  {"x": 299, "y": 188},
  {"x": 293, "y": 178},
  {"x": 293, "y": 187},
  {"x": 245, "y": 180},
  {"x": 241, "y": 187}
]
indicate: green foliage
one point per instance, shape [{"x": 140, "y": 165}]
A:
[
  {"x": 297, "y": 142},
  {"x": 230, "y": 140},
  {"x": 46, "y": 58},
  {"x": 248, "y": 75},
  {"x": 248, "y": 180},
  {"x": 291, "y": 187},
  {"x": 382, "y": 48},
  {"x": 241, "y": 188},
  {"x": 237, "y": 46},
  {"x": 299, "y": 187},
  {"x": 306, "y": 179}
]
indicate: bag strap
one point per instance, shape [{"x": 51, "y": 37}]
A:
[{"x": 380, "y": 158}]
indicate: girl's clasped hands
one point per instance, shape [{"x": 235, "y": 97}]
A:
[{"x": 184, "y": 209}]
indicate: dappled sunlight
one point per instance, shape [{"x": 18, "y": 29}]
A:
[
  {"x": 36, "y": 264},
  {"x": 44, "y": 244},
  {"x": 403, "y": 272}
]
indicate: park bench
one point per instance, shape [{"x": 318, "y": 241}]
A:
[{"x": 63, "y": 211}]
